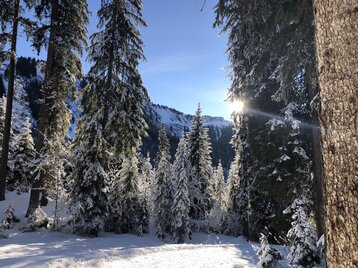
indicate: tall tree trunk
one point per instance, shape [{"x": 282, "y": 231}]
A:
[
  {"x": 318, "y": 181},
  {"x": 337, "y": 56},
  {"x": 9, "y": 100},
  {"x": 38, "y": 185}
]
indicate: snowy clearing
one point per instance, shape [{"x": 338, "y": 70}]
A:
[{"x": 54, "y": 249}]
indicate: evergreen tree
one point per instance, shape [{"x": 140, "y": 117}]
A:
[
  {"x": 303, "y": 251},
  {"x": 9, "y": 220},
  {"x": 181, "y": 205},
  {"x": 235, "y": 200},
  {"x": 147, "y": 181},
  {"x": 268, "y": 256},
  {"x": 219, "y": 185},
  {"x": 272, "y": 58},
  {"x": 65, "y": 24},
  {"x": 88, "y": 197},
  {"x": 24, "y": 156},
  {"x": 216, "y": 217},
  {"x": 129, "y": 211},
  {"x": 163, "y": 188},
  {"x": 199, "y": 150}
]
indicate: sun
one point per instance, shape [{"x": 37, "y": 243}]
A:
[{"x": 236, "y": 107}]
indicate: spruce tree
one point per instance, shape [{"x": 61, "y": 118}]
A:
[
  {"x": 88, "y": 201},
  {"x": 268, "y": 256},
  {"x": 236, "y": 198},
  {"x": 65, "y": 24},
  {"x": 147, "y": 181},
  {"x": 163, "y": 188},
  {"x": 181, "y": 205},
  {"x": 303, "y": 251},
  {"x": 199, "y": 149},
  {"x": 129, "y": 211},
  {"x": 216, "y": 217},
  {"x": 24, "y": 156}
]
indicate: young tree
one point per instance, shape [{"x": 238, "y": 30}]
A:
[
  {"x": 129, "y": 212},
  {"x": 181, "y": 205},
  {"x": 216, "y": 217},
  {"x": 147, "y": 181},
  {"x": 163, "y": 188},
  {"x": 23, "y": 158},
  {"x": 199, "y": 150},
  {"x": 88, "y": 201},
  {"x": 268, "y": 256},
  {"x": 337, "y": 53},
  {"x": 303, "y": 251},
  {"x": 65, "y": 30},
  {"x": 235, "y": 200}
]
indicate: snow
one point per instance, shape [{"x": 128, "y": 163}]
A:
[
  {"x": 177, "y": 122},
  {"x": 54, "y": 249}
]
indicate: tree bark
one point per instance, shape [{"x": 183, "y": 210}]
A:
[
  {"x": 337, "y": 56},
  {"x": 9, "y": 101},
  {"x": 37, "y": 189},
  {"x": 318, "y": 180}
]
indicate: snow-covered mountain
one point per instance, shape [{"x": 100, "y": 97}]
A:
[{"x": 177, "y": 122}]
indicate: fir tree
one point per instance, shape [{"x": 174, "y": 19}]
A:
[
  {"x": 88, "y": 197},
  {"x": 303, "y": 251},
  {"x": 268, "y": 256},
  {"x": 9, "y": 220},
  {"x": 129, "y": 212},
  {"x": 234, "y": 200},
  {"x": 199, "y": 150},
  {"x": 147, "y": 181},
  {"x": 163, "y": 188},
  {"x": 24, "y": 156},
  {"x": 65, "y": 24},
  {"x": 181, "y": 205}
]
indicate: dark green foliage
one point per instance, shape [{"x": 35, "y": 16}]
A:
[
  {"x": 33, "y": 90},
  {"x": 26, "y": 67},
  {"x": 272, "y": 58}
]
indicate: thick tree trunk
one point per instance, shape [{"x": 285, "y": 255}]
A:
[
  {"x": 318, "y": 181},
  {"x": 9, "y": 100},
  {"x": 37, "y": 189},
  {"x": 337, "y": 56}
]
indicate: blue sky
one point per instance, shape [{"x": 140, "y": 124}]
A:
[{"x": 185, "y": 55}]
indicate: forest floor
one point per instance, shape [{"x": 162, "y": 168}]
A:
[{"x": 45, "y": 248}]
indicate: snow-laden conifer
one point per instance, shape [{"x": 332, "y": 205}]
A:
[
  {"x": 268, "y": 257},
  {"x": 129, "y": 212},
  {"x": 217, "y": 214},
  {"x": 163, "y": 188},
  {"x": 199, "y": 149},
  {"x": 303, "y": 251},
  {"x": 9, "y": 220},
  {"x": 23, "y": 158},
  {"x": 181, "y": 205},
  {"x": 88, "y": 201},
  {"x": 234, "y": 214}
]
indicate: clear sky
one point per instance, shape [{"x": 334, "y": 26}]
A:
[{"x": 185, "y": 55}]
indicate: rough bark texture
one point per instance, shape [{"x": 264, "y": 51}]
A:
[
  {"x": 9, "y": 101},
  {"x": 337, "y": 56},
  {"x": 37, "y": 189}
]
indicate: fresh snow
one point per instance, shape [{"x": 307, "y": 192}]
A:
[
  {"x": 55, "y": 249},
  {"x": 176, "y": 122}
]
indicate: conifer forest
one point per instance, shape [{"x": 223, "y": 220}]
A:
[{"x": 94, "y": 172}]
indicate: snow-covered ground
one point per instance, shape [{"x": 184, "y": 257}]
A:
[{"x": 54, "y": 249}]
